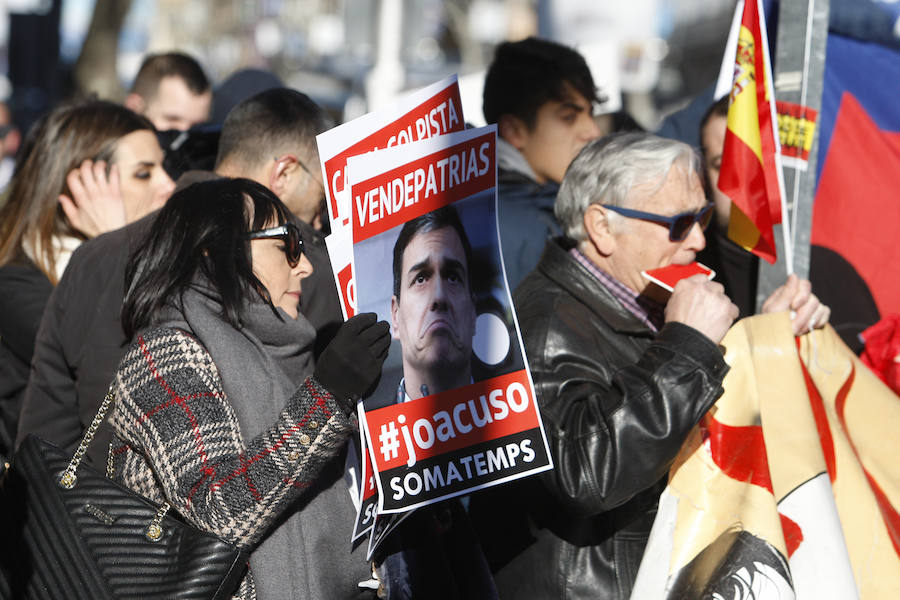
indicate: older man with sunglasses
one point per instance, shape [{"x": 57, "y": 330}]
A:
[{"x": 623, "y": 369}]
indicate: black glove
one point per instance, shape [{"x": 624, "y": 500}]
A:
[{"x": 351, "y": 363}]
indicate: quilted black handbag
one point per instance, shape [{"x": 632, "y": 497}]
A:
[{"x": 82, "y": 535}]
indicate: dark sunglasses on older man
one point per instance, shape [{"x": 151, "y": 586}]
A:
[
  {"x": 290, "y": 233},
  {"x": 679, "y": 225}
]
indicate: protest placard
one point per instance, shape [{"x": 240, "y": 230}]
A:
[
  {"x": 339, "y": 244},
  {"x": 455, "y": 408},
  {"x": 368, "y": 519},
  {"x": 368, "y": 492},
  {"x": 431, "y": 111}
]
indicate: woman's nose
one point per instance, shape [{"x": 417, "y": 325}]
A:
[
  {"x": 304, "y": 268},
  {"x": 166, "y": 187}
]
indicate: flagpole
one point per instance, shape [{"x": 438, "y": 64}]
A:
[
  {"x": 804, "y": 88},
  {"x": 770, "y": 88},
  {"x": 725, "y": 82}
]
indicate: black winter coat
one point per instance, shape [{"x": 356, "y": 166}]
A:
[
  {"x": 24, "y": 290},
  {"x": 617, "y": 401}
]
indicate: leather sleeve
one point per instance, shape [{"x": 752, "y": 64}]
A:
[
  {"x": 614, "y": 429},
  {"x": 171, "y": 408}
]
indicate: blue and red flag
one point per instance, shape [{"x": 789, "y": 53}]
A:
[{"x": 857, "y": 211}]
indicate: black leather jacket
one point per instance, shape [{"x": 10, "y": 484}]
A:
[{"x": 617, "y": 402}]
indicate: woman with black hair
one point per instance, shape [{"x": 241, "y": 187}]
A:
[{"x": 219, "y": 408}]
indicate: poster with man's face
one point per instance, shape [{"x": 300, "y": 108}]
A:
[
  {"x": 455, "y": 409},
  {"x": 434, "y": 110}
]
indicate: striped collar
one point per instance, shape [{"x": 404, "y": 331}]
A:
[{"x": 649, "y": 312}]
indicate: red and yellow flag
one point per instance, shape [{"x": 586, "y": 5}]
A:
[{"x": 749, "y": 171}]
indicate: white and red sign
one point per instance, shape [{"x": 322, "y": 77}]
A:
[
  {"x": 667, "y": 277},
  {"x": 431, "y": 111},
  {"x": 451, "y": 443},
  {"x": 429, "y": 445}
]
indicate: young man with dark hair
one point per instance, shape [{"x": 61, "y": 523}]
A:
[
  {"x": 541, "y": 96},
  {"x": 172, "y": 91}
]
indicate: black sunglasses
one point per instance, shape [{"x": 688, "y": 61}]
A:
[
  {"x": 290, "y": 233},
  {"x": 679, "y": 225}
]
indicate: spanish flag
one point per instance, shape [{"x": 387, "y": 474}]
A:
[{"x": 750, "y": 168}]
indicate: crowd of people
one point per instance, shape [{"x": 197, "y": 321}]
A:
[{"x": 217, "y": 288}]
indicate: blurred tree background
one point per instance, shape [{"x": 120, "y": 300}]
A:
[{"x": 649, "y": 56}]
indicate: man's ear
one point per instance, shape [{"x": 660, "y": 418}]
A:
[
  {"x": 395, "y": 306},
  {"x": 281, "y": 174},
  {"x": 513, "y": 130},
  {"x": 135, "y": 103},
  {"x": 596, "y": 226}
]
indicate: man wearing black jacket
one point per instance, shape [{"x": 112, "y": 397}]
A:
[{"x": 623, "y": 370}]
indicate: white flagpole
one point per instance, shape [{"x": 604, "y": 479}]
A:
[{"x": 725, "y": 82}]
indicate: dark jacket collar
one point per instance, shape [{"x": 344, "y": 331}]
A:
[{"x": 558, "y": 265}]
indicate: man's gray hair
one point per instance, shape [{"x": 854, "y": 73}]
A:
[{"x": 606, "y": 170}]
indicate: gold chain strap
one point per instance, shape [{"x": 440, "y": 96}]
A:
[
  {"x": 110, "y": 470},
  {"x": 69, "y": 478},
  {"x": 154, "y": 531}
]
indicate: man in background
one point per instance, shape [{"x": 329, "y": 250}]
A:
[
  {"x": 541, "y": 96},
  {"x": 172, "y": 91},
  {"x": 271, "y": 138}
]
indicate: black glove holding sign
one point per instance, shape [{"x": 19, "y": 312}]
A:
[{"x": 351, "y": 364}]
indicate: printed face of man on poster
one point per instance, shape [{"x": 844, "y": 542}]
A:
[{"x": 432, "y": 307}]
